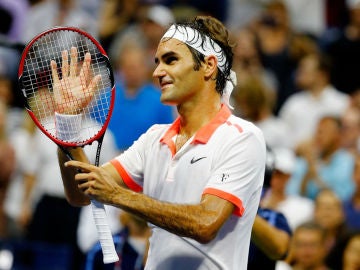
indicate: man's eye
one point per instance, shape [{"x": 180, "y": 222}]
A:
[{"x": 171, "y": 60}]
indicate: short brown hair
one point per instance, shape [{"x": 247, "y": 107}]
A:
[{"x": 213, "y": 28}]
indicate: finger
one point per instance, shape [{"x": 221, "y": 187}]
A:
[
  {"x": 55, "y": 76},
  {"x": 85, "y": 70},
  {"x": 65, "y": 63},
  {"x": 84, "y": 167},
  {"x": 90, "y": 90},
  {"x": 94, "y": 83},
  {"x": 82, "y": 177},
  {"x": 87, "y": 187},
  {"x": 73, "y": 61},
  {"x": 83, "y": 186}
]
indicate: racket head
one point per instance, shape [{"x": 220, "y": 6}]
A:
[{"x": 35, "y": 81}]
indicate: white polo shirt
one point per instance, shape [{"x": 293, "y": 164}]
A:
[{"x": 225, "y": 158}]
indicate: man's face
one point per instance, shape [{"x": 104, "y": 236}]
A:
[
  {"x": 279, "y": 180},
  {"x": 132, "y": 67},
  {"x": 351, "y": 254},
  {"x": 309, "y": 248},
  {"x": 327, "y": 135},
  {"x": 328, "y": 210},
  {"x": 178, "y": 80},
  {"x": 307, "y": 73}
]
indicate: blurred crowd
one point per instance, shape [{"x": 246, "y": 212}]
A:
[{"x": 297, "y": 64}]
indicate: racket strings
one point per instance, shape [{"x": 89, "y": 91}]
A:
[{"x": 37, "y": 81}]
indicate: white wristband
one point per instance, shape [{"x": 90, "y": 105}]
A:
[{"x": 68, "y": 127}]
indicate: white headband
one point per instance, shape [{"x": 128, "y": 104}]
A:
[{"x": 207, "y": 47}]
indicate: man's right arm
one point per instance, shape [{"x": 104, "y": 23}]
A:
[{"x": 73, "y": 194}]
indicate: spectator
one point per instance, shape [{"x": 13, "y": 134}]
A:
[
  {"x": 9, "y": 58},
  {"x": 323, "y": 164},
  {"x": 308, "y": 250},
  {"x": 350, "y": 256},
  {"x": 270, "y": 236},
  {"x": 242, "y": 12},
  {"x": 302, "y": 111},
  {"x": 352, "y": 206},
  {"x": 87, "y": 234},
  {"x": 13, "y": 14},
  {"x": 247, "y": 62},
  {"x": 50, "y": 13},
  {"x": 344, "y": 254},
  {"x": 355, "y": 99},
  {"x": 115, "y": 16},
  {"x": 254, "y": 101},
  {"x": 280, "y": 47},
  {"x": 329, "y": 214},
  {"x": 270, "y": 239},
  {"x": 343, "y": 45},
  {"x": 296, "y": 209},
  {"x": 13, "y": 117},
  {"x": 131, "y": 244},
  {"x": 308, "y": 17},
  {"x": 19, "y": 138},
  {"x": 152, "y": 22},
  {"x": 350, "y": 130},
  {"x": 7, "y": 163}
]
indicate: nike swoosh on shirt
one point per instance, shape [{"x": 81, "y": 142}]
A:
[{"x": 193, "y": 160}]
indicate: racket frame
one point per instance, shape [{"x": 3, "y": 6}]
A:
[
  {"x": 109, "y": 252},
  {"x": 111, "y": 76}
]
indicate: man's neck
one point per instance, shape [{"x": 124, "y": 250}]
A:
[
  {"x": 192, "y": 117},
  {"x": 317, "y": 90},
  {"x": 327, "y": 154}
]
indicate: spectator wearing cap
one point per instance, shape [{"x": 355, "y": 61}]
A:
[
  {"x": 297, "y": 209},
  {"x": 271, "y": 232}
]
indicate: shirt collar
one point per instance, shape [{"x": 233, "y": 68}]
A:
[{"x": 203, "y": 134}]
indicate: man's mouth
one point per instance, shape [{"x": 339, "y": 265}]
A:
[{"x": 164, "y": 84}]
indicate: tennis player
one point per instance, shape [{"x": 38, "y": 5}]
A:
[{"x": 196, "y": 181}]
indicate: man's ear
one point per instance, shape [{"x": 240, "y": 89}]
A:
[{"x": 210, "y": 67}]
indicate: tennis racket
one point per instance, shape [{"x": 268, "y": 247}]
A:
[{"x": 50, "y": 66}]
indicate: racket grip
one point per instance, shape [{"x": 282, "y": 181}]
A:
[{"x": 104, "y": 232}]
